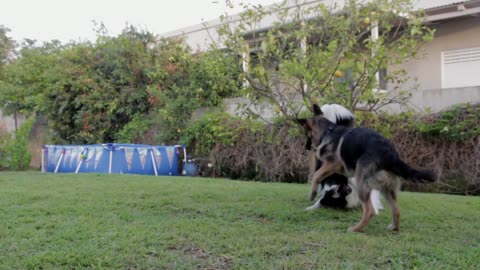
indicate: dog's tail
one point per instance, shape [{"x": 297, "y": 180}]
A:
[{"x": 402, "y": 169}]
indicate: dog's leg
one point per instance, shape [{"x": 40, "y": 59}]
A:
[
  {"x": 368, "y": 213},
  {"x": 328, "y": 168},
  {"x": 317, "y": 205},
  {"x": 312, "y": 165},
  {"x": 322, "y": 190},
  {"x": 364, "y": 170},
  {"x": 391, "y": 197}
]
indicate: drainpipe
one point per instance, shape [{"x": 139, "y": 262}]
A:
[
  {"x": 303, "y": 47},
  {"x": 374, "y": 37},
  {"x": 245, "y": 60},
  {"x": 15, "y": 120}
]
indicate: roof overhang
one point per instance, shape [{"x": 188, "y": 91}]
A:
[{"x": 456, "y": 10}]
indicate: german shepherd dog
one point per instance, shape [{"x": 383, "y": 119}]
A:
[
  {"x": 335, "y": 191},
  {"x": 366, "y": 156}
]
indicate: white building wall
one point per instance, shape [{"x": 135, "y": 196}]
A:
[
  {"x": 451, "y": 35},
  {"x": 426, "y": 72},
  {"x": 7, "y": 122}
]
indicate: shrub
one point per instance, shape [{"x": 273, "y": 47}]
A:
[
  {"x": 14, "y": 154},
  {"x": 458, "y": 123},
  {"x": 248, "y": 149},
  {"x": 216, "y": 128},
  {"x": 448, "y": 141},
  {"x": 134, "y": 131}
]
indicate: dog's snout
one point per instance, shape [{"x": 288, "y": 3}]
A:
[{"x": 347, "y": 189}]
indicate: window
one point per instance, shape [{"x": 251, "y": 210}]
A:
[
  {"x": 460, "y": 68},
  {"x": 382, "y": 77}
]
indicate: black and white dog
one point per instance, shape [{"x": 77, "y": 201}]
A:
[{"x": 335, "y": 191}]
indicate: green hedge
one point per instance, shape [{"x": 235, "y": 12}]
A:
[{"x": 447, "y": 142}]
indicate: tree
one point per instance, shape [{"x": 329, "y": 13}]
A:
[
  {"x": 26, "y": 77},
  {"x": 191, "y": 80},
  {"x": 7, "y": 46},
  {"x": 7, "y": 52},
  {"x": 113, "y": 88},
  {"x": 326, "y": 54},
  {"x": 88, "y": 92},
  {"x": 97, "y": 88}
]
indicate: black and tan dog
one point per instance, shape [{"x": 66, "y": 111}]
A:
[
  {"x": 367, "y": 157},
  {"x": 335, "y": 191}
]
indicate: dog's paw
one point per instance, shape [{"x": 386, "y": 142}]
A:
[
  {"x": 317, "y": 205},
  {"x": 312, "y": 195},
  {"x": 392, "y": 227}
]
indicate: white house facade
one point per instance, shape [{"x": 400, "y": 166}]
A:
[{"x": 447, "y": 74}]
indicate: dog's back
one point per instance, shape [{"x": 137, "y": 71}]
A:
[{"x": 365, "y": 147}]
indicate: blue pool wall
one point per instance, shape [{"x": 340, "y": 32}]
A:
[{"x": 112, "y": 158}]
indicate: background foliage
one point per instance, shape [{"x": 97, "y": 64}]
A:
[
  {"x": 462, "y": 122},
  {"x": 114, "y": 88},
  {"x": 14, "y": 154}
]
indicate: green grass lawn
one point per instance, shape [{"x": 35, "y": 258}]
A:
[{"x": 67, "y": 221}]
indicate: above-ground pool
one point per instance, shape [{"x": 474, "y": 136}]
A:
[{"x": 113, "y": 158}]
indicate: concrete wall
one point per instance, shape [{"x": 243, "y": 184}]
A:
[
  {"x": 435, "y": 100},
  {"x": 439, "y": 99},
  {"x": 8, "y": 122},
  {"x": 426, "y": 71},
  {"x": 431, "y": 100},
  {"x": 454, "y": 34},
  {"x": 232, "y": 106}
]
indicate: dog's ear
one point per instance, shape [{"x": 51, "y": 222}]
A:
[
  {"x": 306, "y": 123},
  {"x": 317, "y": 110}
]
